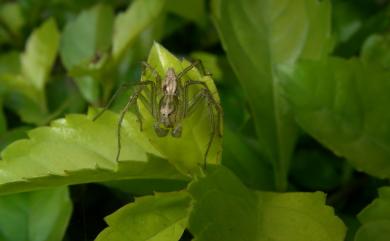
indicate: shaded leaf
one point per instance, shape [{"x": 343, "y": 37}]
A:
[
  {"x": 35, "y": 216},
  {"x": 11, "y": 17},
  {"x": 252, "y": 169},
  {"x": 162, "y": 217},
  {"x": 147, "y": 187},
  {"x": 19, "y": 94},
  {"x": 376, "y": 50},
  {"x": 344, "y": 105},
  {"x": 375, "y": 219},
  {"x": 316, "y": 170},
  {"x": 3, "y": 119},
  {"x": 85, "y": 45},
  {"x": 258, "y": 216},
  {"x": 193, "y": 10},
  {"x": 25, "y": 79},
  {"x": 89, "y": 34},
  {"x": 259, "y": 35}
]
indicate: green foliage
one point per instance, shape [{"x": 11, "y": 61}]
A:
[
  {"x": 36, "y": 216},
  {"x": 85, "y": 152},
  {"x": 304, "y": 87},
  {"x": 26, "y": 74},
  {"x": 343, "y": 104},
  {"x": 375, "y": 218},
  {"x": 257, "y": 37},
  {"x": 258, "y": 215},
  {"x": 162, "y": 217},
  {"x": 137, "y": 17},
  {"x": 186, "y": 153}
]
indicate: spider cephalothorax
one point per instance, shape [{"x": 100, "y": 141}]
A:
[{"x": 169, "y": 103}]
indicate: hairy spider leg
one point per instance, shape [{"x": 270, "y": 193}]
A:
[
  {"x": 125, "y": 86},
  {"x": 116, "y": 94},
  {"x": 155, "y": 74},
  {"x": 191, "y": 66},
  {"x": 189, "y": 108},
  {"x": 133, "y": 100},
  {"x": 176, "y": 132}
]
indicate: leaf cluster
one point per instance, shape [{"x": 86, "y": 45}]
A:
[{"x": 304, "y": 85}]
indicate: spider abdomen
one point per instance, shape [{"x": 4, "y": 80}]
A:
[{"x": 168, "y": 110}]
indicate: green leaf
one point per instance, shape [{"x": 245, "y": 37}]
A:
[
  {"x": 258, "y": 36},
  {"x": 258, "y": 216},
  {"x": 347, "y": 20},
  {"x": 376, "y": 50},
  {"x": 40, "y": 53},
  {"x": 128, "y": 25},
  {"x": 162, "y": 217},
  {"x": 20, "y": 95},
  {"x": 354, "y": 24},
  {"x": 374, "y": 231},
  {"x": 11, "y": 17},
  {"x": 35, "y": 216},
  {"x": 210, "y": 62},
  {"x": 187, "y": 152},
  {"x": 375, "y": 219},
  {"x": 12, "y": 135},
  {"x": 3, "y": 119},
  {"x": 9, "y": 64},
  {"x": 252, "y": 169},
  {"x": 84, "y": 48},
  {"x": 90, "y": 33},
  {"x": 77, "y": 150},
  {"x": 193, "y": 10},
  {"x": 26, "y": 88},
  {"x": 344, "y": 105}
]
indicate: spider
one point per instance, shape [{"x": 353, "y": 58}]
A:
[{"x": 169, "y": 104}]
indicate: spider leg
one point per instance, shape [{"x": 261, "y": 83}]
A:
[
  {"x": 195, "y": 63},
  {"x": 199, "y": 64},
  {"x": 189, "y": 108},
  {"x": 133, "y": 100},
  {"x": 155, "y": 74},
  {"x": 117, "y": 92}
]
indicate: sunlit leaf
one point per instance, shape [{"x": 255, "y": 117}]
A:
[
  {"x": 40, "y": 53},
  {"x": 162, "y": 217},
  {"x": 77, "y": 150},
  {"x": 187, "y": 152},
  {"x": 128, "y": 25}
]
